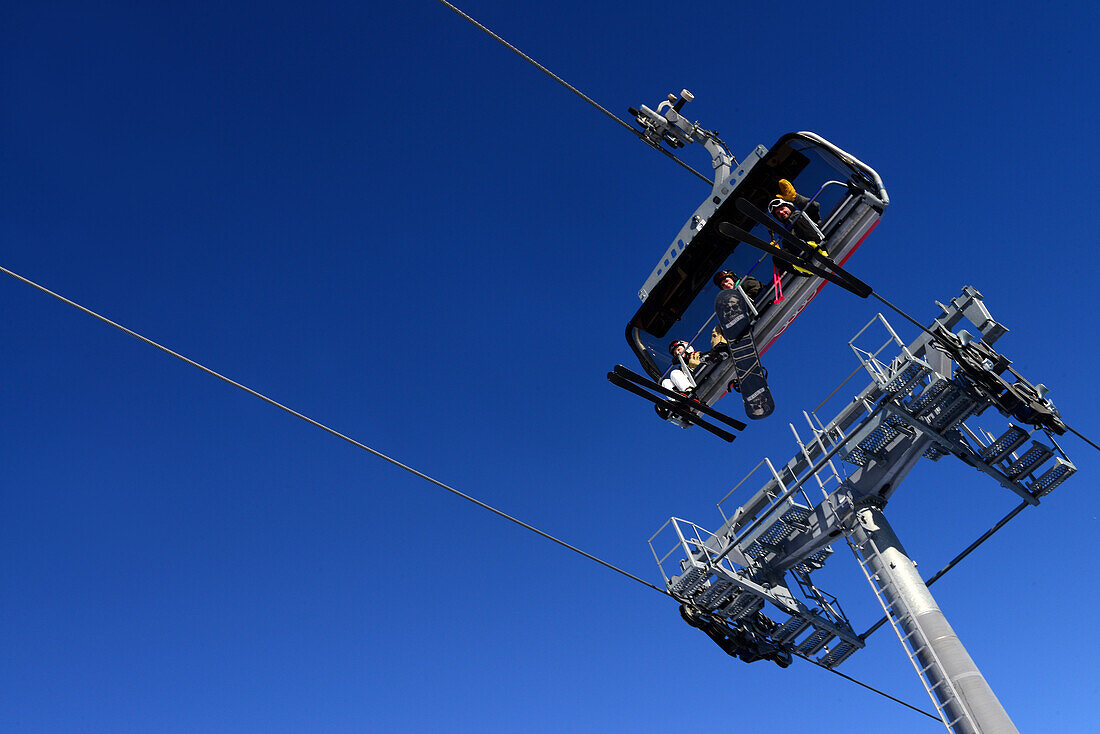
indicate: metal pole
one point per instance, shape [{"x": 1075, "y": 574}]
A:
[
  {"x": 957, "y": 559},
  {"x": 953, "y": 678}
]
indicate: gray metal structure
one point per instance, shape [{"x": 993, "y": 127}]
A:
[
  {"x": 697, "y": 250},
  {"x": 917, "y": 405}
]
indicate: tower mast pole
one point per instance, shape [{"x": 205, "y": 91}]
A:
[{"x": 966, "y": 702}]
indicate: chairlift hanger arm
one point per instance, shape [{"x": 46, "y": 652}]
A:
[{"x": 667, "y": 125}]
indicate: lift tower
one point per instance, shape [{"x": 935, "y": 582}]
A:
[{"x": 749, "y": 583}]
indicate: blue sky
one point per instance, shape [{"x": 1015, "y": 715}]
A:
[{"x": 380, "y": 217}]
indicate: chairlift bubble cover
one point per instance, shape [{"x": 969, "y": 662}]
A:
[{"x": 851, "y": 200}]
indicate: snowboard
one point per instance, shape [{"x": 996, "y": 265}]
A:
[{"x": 751, "y": 380}]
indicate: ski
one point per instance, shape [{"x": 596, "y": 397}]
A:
[
  {"x": 758, "y": 215},
  {"x": 703, "y": 408},
  {"x": 734, "y": 232},
  {"x": 682, "y": 413},
  {"x": 686, "y": 402},
  {"x": 836, "y": 274}
]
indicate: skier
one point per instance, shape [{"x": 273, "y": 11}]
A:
[
  {"x": 803, "y": 218},
  {"x": 785, "y": 191},
  {"x": 676, "y": 379}
]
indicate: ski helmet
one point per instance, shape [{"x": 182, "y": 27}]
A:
[
  {"x": 776, "y": 203},
  {"x": 722, "y": 275}
]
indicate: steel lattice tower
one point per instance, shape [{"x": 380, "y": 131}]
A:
[{"x": 751, "y": 580}]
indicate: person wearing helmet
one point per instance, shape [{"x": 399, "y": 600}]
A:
[
  {"x": 726, "y": 279},
  {"x": 677, "y": 380},
  {"x": 785, "y": 191},
  {"x": 800, "y": 223},
  {"x": 802, "y": 217}
]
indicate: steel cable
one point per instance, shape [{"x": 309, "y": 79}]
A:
[
  {"x": 869, "y": 687},
  {"x": 956, "y": 560},
  {"x": 574, "y": 90},
  {"x": 375, "y": 452},
  {"x": 641, "y": 136},
  {"x": 325, "y": 428}
]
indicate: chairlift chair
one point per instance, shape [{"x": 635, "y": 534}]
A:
[{"x": 678, "y": 295}]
